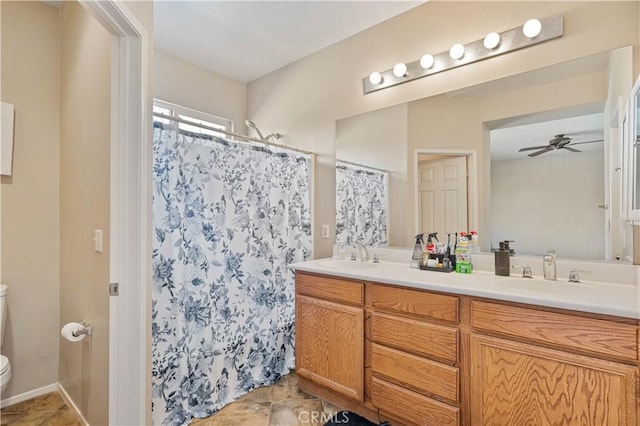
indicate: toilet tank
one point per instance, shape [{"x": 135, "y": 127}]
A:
[{"x": 3, "y": 310}]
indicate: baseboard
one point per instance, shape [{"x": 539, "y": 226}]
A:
[
  {"x": 72, "y": 405},
  {"x": 28, "y": 395}
]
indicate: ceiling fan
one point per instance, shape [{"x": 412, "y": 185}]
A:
[{"x": 560, "y": 141}]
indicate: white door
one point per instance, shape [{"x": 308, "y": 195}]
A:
[{"x": 442, "y": 195}]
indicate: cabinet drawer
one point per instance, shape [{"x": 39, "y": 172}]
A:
[
  {"x": 438, "y": 306},
  {"x": 585, "y": 334},
  {"x": 330, "y": 288},
  {"x": 415, "y": 336},
  {"x": 420, "y": 373},
  {"x": 411, "y": 406}
]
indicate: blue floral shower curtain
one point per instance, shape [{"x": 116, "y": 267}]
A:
[
  {"x": 361, "y": 206},
  {"x": 228, "y": 219}
]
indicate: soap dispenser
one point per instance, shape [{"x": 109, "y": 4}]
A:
[{"x": 502, "y": 262}]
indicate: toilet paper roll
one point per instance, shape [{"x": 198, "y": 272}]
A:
[{"x": 69, "y": 328}]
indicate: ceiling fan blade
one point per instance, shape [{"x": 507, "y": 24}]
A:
[
  {"x": 542, "y": 151},
  {"x": 568, "y": 148},
  {"x": 529, "y": 148},
  {"x": 578, "y": 143}
]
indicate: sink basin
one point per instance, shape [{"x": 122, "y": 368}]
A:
[
  {"x": 348, "y": 264},
  {"x": 539, "y": 286}
]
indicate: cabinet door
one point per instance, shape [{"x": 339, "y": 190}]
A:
[
  {"x": 330, "y": 345},
  {"x": 519, "y": 384}
]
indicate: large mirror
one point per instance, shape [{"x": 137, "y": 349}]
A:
[{"x": 540, "y": 151}]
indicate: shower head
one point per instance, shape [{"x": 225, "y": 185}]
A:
[
  {"x": 251, "y": 124},
  {"x": 272, "y": 137}
]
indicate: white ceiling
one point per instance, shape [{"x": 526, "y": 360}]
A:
[
  {"x": 506, "y": 142},
  {"x": 244, "y": 40},
  {"x": 582, "y": 122}
]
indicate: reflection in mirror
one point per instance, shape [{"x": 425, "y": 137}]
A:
[
  {"x": 635, "y": 138},
  {"x": 361, "y": 205},
  {"x": 547, "y": 187},
  {"x": 442, "y": 193},
  {"x": 376, "y": 141},
  {"x": 571, "y": 203}
]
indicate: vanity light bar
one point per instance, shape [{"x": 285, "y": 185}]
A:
[{"x": 508, "y": 41}]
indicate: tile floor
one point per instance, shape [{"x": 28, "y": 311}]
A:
[
  {"x": 282, "y": 404},
  {"x": 45, "y": 410}
]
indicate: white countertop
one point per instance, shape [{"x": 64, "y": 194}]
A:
[{"x": 621, "y": 300}]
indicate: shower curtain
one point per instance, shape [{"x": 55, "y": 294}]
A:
[
  {"x": 229, "y": 218},
  {"x": 361, "y": 206}
]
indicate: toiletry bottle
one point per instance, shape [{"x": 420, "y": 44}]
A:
[
  {"x": 502, "y": 260},
  {"x": 431, "y": 246},
  {"x": 475, "y": 247},
  {"x": 416, "y": 257},
  {"x": 463, "y": 256}
]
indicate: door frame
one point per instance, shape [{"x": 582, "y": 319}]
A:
[
  {"x": 130, "y": 212},
  {"x": 472, "y": 183}
]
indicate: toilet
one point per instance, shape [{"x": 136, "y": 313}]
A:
[{"x": 5, "y": 368}]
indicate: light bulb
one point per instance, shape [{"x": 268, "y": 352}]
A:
[
  {"x": 456, "y": 51},
  {"x": 426, "y": 61},
  {"x": 492, "y": 40},
  {"x": 532, "y": 28},
  {"x": 375, "y": 78},
  {"x": 400, "y": 70}
]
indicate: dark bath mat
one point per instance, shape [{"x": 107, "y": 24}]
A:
[{"x": 347, "y": 418}]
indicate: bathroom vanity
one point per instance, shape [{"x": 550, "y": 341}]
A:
[{"x": 419, "y": 347}]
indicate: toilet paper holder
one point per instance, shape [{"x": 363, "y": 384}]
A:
[{"x": 88, "y": 330}]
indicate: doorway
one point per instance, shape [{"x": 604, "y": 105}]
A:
[
  {"x": 445, "y": 191},
  {"x": 442, "y": 194},
  {"x": 130, "y": 211}
]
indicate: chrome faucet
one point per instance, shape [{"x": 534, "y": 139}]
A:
[
  {"x": 364, "y": 253},
  {"x": 549, "y": 265},
  {"x": 574, "y": 275},
  {"x": 526, "y": 270}
]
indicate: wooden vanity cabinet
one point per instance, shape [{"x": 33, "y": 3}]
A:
[
  {"x": 551, "y": 368},
  {"x": 418, "y": 357},
  {"x": 414, "y": 355},
  {"x": 330, "y": 333}
]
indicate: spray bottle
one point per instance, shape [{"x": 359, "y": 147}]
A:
[
  {"x": 416, "y": 257},
  {"x": 431, "y": 247}
]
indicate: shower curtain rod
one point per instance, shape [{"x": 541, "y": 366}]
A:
[
  {"x": 361, "y": 165},
  {"x": 226, "y": 132}
]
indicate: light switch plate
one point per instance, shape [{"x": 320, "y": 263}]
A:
[
  {"x": 325, "y": 231},
  {"x": 97, "y": 240}
]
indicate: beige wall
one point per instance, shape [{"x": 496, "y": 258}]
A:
[
  {"x": 30, "y": 197},
  {"x": 378, "y": 139},
  {"x": 303, "y": 100},
  {"x": 186, "y": 84},
  {"x": 518, "y": 186},
  {"x": 444, "y": 123},
  {"x": 84, "y": 207}
]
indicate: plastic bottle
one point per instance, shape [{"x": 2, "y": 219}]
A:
[
  {"x": 463, "y": 256},
  {"x": 416, "y": 257},
  {"x": 475, "y": 245}
]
